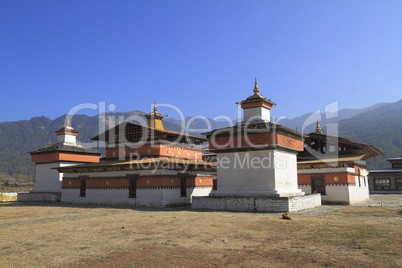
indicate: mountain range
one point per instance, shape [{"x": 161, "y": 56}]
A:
[{"x": 379, "y": 125}]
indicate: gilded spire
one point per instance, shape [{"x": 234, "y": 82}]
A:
[
  {"x": 318, "y": 128},
  {"x": 155, "y": 118},
  {"x": 67, "y": 128},
  {"x": 256, "y": 90},
  {"x": 68, "y": 123}
]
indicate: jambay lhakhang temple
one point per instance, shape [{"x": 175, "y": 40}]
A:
[{"x": 147, "y": 165}]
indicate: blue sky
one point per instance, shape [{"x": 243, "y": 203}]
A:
[{"x": 201, "y": 56}]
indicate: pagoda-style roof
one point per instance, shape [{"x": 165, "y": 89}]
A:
[
  {"x": 253, "y": 128},
  {"x": 142, "y": 164},
  {"x": 155, "y": 118},
  {"x": 62, "y": 148},
  {"x": 67, "y": 128},
  {"x": 332, "y": 160},
  {"x": 344, "y": 147},
  {"x": 395, "y": 160},
  {"x": 154, "y": 114},
  {"x": 387, "y": 170},
  {"x": 133, "y": 132},
  {"x": 257, "y": 98},
  {"x": 341, "y": 161}
]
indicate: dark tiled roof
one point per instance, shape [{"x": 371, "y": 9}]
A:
[
  {"x": 257, "y": 126},
  {"x": 66, "y": 148}
]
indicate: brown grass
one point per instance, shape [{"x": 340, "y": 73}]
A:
[{"x": 55, "y": 235}]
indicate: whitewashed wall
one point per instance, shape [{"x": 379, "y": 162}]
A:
[
  {"x": 145, "y": 196},
  {"x": 257, "y": 173},
  {"x": 49, "y": 179}
]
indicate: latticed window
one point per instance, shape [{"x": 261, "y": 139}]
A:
[
  {"x": 398, "y": 182},
  {"x": 382, "y": 182}
]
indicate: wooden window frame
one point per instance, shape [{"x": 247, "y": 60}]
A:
[
  {"x": 183, "y": 185},
  {"x": 83, "y": 185},
  {"x": 314, "y": 185},
  {"x": 132, "y": 186}
]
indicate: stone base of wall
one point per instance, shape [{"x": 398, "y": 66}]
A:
[
  {"x": 335, "y": 203},
  {"x": 257, "y": 204},
  {"x": 39, "y": 197}
]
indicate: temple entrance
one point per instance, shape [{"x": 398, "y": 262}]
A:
[{"x": 318, "y": 184}]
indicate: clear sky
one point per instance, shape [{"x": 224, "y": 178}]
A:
[{"x": 201, "y": 56}]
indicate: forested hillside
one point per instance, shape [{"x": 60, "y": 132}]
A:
[{"x": 381, "y": 127}]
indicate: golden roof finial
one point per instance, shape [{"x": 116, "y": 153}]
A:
[
  {"x": 155, "y": 108},
  {"x": 318, "y": 128},
  {"x": 155, "y": 118},
  {"x": 67, "y": 120},
  {"x": 68, "y": 123},
  {"x": 256, "y": 90}
]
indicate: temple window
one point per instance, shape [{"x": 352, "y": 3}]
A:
[
  {"x": 132, "y": 187},
  {"x": 398, "y": 182},
  {"x": 183, "y": 186},
  {"x": 382, "y": 182},
  {"x": 83, "y": 185}
]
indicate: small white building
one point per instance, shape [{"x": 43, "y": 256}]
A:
[
  {"x": 335, "y": 167},
  {"x": 387, "y": 180},
  {"x": 66, "y": 152}
]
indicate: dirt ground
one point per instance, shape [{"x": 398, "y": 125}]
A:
[
  {"x": 390, "y": 201},
  {"x": 62, "y": 235}
]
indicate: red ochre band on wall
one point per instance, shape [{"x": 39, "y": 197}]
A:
[
  {"x": 56, "y": 156},
  {"x": 269, "y": 138},
  {"x": 155, "y": 150},
  {"x": 62, "y": 132},
  {"x": 256, "y": 104},
  {"x": 333, "y": 178},
  {"x": 142, "y": 182}
]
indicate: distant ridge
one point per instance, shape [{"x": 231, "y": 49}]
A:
[{"x": 298, "y": 122}]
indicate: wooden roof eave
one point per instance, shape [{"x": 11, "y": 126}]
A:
[
  {"x": 332, "y": 160},
  {"x": 372, "y": 151}
]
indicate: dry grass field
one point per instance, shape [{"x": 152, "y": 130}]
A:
[{"x": 57, "y": 235}]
